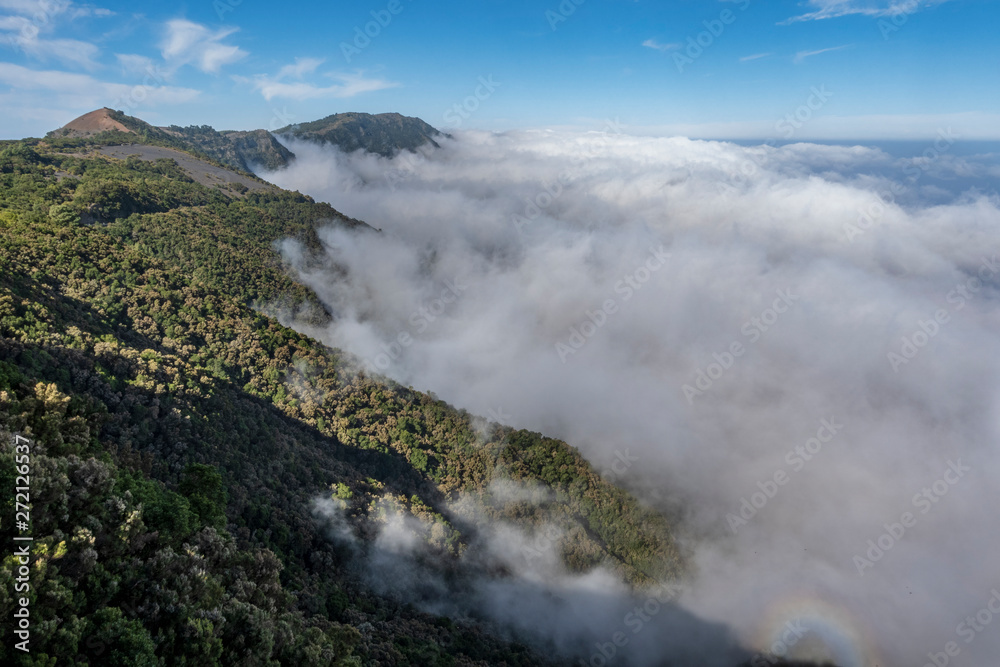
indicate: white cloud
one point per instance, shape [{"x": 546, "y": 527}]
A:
[
  {"x": 92, "y": 11},
  {"x": 299, "y": 68},
  {"x": 23, "y": 78},
  {"x": 802, "y": 55},
  {"x": 350, "y": 84},
  {"x": 827, "y": 9},
  {"x": 658, "y": 46},
  {"x": 36, "y": 8},
  {"x": 13, "y": 23},
  {"x": 33, "y": 19},
  {"x": 189, "y": 43},
  {"x": 42, "y": 12},
  {"x": 71, "y": 52},
  {"x": 133, "y": 64},
  {"x": 739, "y": 225},
  {"x": 69, "y": 93},
  {"x": 756, "y": 56}
]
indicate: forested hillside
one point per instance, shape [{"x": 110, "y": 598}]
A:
[
  {"x": 181, "y": 438},
  {"x": 240, "y": 150}
]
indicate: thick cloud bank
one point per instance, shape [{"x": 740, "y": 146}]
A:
[{"x": 793, "y": 350}]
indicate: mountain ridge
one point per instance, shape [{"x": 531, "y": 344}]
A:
[{"x": 384, "y": 134}]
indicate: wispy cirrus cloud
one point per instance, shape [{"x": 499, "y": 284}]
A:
[
  {"x": 658, "y": 46},
  {"x": 134, "y": 64},
  {"x": 802, "y": 55},
  {"x": 71, "y": 90},
  {"x": 42, "y": 13},
  {"x": 35, "y": 7},
  {"x": 289, "y": 82},
  {"x": 828, "y": 9},
  {"x": 70, "y": 52},
  {"x": 300, "y": 68},
  {"x": 189, "y": 43},
  {"x": 349, "y": 86},
  {"x": 30, "y": 23},
  {"x": 756, "y": 56}
]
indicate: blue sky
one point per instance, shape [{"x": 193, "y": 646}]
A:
[{"x": 820, "y": 69}]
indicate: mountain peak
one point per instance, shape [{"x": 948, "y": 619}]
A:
[
  {"x": 385, "y": 134},
  {"x": 95, "y": 122}
]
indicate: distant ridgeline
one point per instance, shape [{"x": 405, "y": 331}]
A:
[
  {"x": 384, "y": 134},
  {"x": 181, "y": 438}
]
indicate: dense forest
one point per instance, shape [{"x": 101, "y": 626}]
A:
[
  {"x": 181, "y": 437},
  {"x": 182, "y": 440}
]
